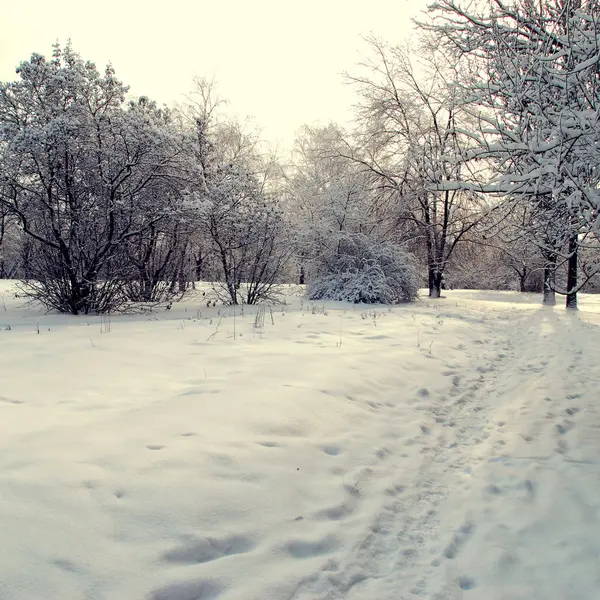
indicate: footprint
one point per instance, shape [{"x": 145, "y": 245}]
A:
[
  {"x": 203, "y": 550},
  {"x": 65, "y": 564},
  {"x": 562, "y": 447},
  {"x": 508, "y": 561},
  {"x": 332, "y": 450},
  {"x": 331, "y": 565},
  {"x": 563, "y": 428},
  {"x": 301, "y": 549},
  {"x": 268, "y": 444},
  {"x": 201, "y": 589},
  {"x": 382, "y": 453},
  {"x": 335, "y": 513},
  {"x": 188, "y": 434},
  {"x": 395, "y": 490},
  {"x": 11, "y": 400},
  {"x": 530, "y": 487},
  {"x": 154, "y": 447},
  {"x": 466, "y": 583},
  {"x": 459, "y": 539},
  {"x": 493, "y": 490}
]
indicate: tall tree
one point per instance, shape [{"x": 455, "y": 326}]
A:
[
  {"x": 409, "y": 120},
  {"x": 535, "y": 91}
]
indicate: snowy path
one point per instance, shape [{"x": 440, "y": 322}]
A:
[
  {"x": 441, "y": 451},
  {"x": 502, "y": 502}
]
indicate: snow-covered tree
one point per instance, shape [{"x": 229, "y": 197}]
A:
[
  {"x": 248, "y": 235},
  {"x": 345, "y": 235},
  {"x": 10, "y": 246},
  {"x": 84, "y": 174},
  {"x": 5, "y": 226},
  {"x": 235, "y": 219},
  {"x": 329, "y": 196},
  {"x": 408, "y": 120},
  {"x": 534, "y": 88}
]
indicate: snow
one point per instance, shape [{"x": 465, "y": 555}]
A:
[{"x": 447, "y": 449}]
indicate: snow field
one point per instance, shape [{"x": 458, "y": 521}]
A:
[{"x": 439, "y": 450}]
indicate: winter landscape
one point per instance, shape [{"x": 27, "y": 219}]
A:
[
  {"x": 337, "y": 451},
  {"x": 361, "y": 365}
]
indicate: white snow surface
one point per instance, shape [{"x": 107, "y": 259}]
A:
[{"x": 443, "y": 450}]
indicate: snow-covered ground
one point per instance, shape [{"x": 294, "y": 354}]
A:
[{"x": 442, "y": 450}]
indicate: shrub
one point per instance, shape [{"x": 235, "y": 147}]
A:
[{"x": 364, "y": 270}]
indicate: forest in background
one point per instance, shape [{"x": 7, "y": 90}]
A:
[{"x": 472, "y": 162}]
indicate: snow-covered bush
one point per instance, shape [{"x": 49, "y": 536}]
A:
[
  {"x": 247, "y": 232},
  {"x": 364, "y": 270},
  {"x": 85, "y": 177}
]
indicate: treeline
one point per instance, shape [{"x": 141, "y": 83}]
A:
[{"x": 472, "y": 161}]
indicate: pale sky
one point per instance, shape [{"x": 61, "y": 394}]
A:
[{"x": 275, "y": 60}]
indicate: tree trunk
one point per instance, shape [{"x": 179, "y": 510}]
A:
[
  {"x": 549, "y": 276},
  {"x": 430, "y": 278},
  {"x": 80, "y": 299},
  {"x": 182, "y": 275},
  {"x": 572, "y": 274},
  {"x": 302, "y": 275},
  {"x": 435, "y": 283},
  {"x": 523, "y": 280},
  {"x": 182, "y": 280},
  {"x": 26, "y": 260},
  {"x": 199, "y": 259},
  {"x": 146, "y": 287}
]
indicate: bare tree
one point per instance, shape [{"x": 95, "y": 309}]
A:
[
  {"x": 500, "y": 253},
  {"x": 409, "y": 140},
  {"x": 235, "y": 218}
]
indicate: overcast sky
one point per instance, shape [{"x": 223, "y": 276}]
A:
[{"x": 276, "y": 60}]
